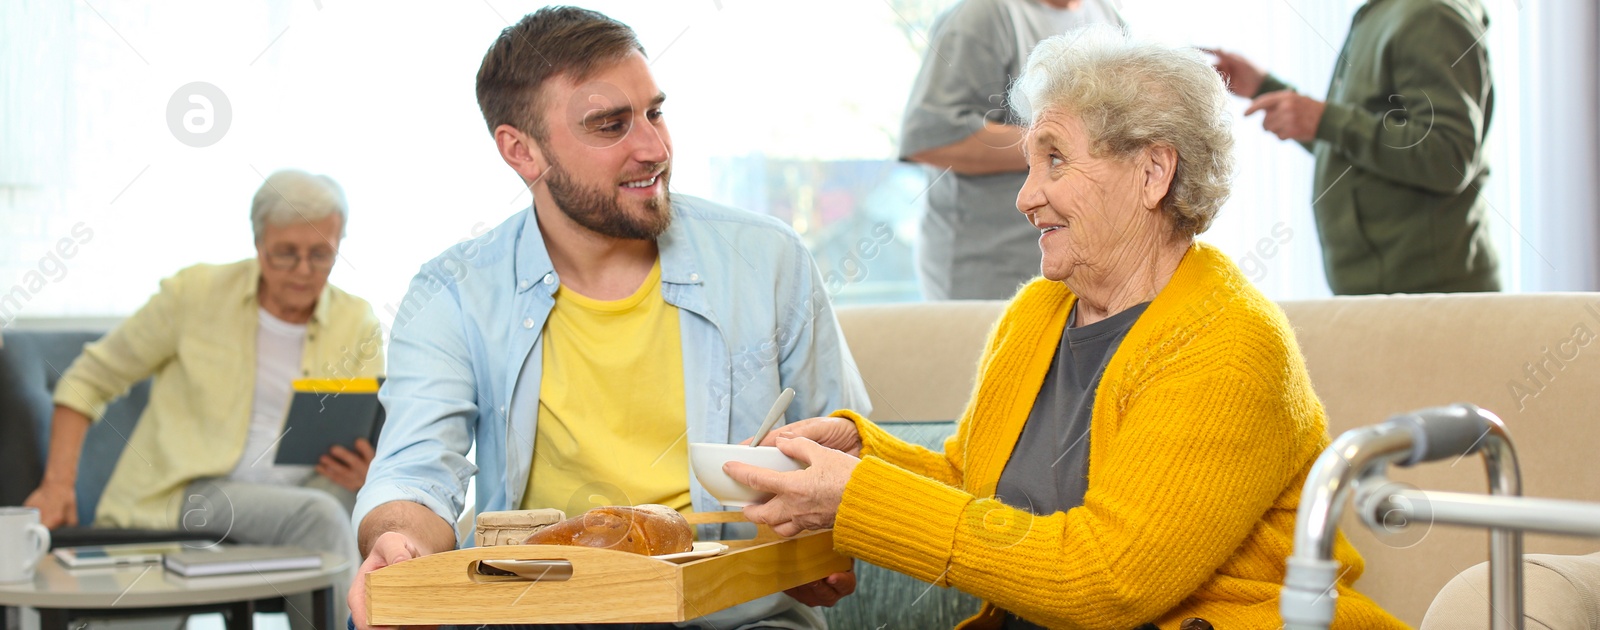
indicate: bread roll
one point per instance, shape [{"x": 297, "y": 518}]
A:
[{"x": 651, "y": 530}]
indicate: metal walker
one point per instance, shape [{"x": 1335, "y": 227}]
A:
[{"x": 1354, "y": 467}]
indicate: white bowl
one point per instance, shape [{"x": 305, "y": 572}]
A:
[{"x": 707, "y": 459}]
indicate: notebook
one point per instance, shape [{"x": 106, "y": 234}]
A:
[
  {"x": 229, "y": 559},
  {"x": 327, "y": 411}
]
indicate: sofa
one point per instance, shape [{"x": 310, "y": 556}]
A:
[
  {"x": 1527, "y": 358},
  {"x": 31, "y": 361}
]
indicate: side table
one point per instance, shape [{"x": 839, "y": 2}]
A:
[{"x": 62, "y": 595}]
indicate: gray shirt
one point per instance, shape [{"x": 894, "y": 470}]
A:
[
  {"x": 973, "y": 242},
  {"x": 1049, "y": 468}
]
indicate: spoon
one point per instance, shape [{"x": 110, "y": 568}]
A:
[{"x": 772, "y": 416}]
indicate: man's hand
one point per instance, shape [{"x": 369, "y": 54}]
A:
[
  {"x": 839, "y": 434},
  {"x": 804, "y": 499},
  {"x": 390, "y": 548},
  {"x": 1290, "y": 115},
  {"x": 1242, "y": 77},
  {"x": 826, "y": 591},
  {"x": 57, "y": 503},
  {"x": 345, "y": 467}
]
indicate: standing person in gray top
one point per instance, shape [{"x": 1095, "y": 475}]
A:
[{"x": 972, "y": 245}]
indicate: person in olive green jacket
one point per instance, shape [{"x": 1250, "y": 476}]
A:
[{"x": 1400, "y": 166}]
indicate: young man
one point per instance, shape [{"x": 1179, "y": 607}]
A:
[{"x": 585, "y": 343}]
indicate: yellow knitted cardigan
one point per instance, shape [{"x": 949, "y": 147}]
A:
[{"x": 1204, "y": 427}]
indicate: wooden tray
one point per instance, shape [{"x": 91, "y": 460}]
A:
[{"x": 605, "y": 586}]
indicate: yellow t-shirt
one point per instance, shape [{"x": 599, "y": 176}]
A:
[{"x": 612, "y": 428}]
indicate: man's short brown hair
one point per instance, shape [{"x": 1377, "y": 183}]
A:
[{"x": 553, "y": 41}]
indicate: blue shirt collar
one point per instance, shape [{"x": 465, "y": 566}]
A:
[
  {"x": 533, "y": 260},
  {"x": 678, "y": 262}
]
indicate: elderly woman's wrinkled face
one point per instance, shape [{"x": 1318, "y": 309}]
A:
[
  {"x": 1093, "y": 213},
  {"x": 295, "y": 261}
]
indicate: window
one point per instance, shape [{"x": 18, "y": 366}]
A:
[{"x": 788, "y": 109}]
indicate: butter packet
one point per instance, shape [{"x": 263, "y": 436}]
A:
[{"x": 511, "y": 527}]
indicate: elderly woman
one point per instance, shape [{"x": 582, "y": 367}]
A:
[
  {"x": 224, "y": 343},
  {"x": 1143, "y": 421}
]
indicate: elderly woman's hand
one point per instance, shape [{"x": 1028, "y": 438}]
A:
[
  {"x": 803, "y": 499},
  {"x": 839, "y": 434}
]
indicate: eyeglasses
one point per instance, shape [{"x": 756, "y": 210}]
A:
[{"x": 286, "y": 261}]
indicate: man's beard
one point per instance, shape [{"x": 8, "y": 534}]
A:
[{"x": 597, "y": 209}]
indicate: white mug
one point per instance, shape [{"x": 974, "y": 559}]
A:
[{"x": 23, "y": 541}]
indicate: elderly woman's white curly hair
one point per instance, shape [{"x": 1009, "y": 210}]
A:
[{"x": 1131, "y": 95}]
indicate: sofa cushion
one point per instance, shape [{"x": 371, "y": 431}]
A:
[
  {"x": 1559, "y": 593},
  {"x": 919, "y": 361}
]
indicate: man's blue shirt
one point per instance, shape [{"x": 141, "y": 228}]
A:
[{"x": 465, "y": 359}]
